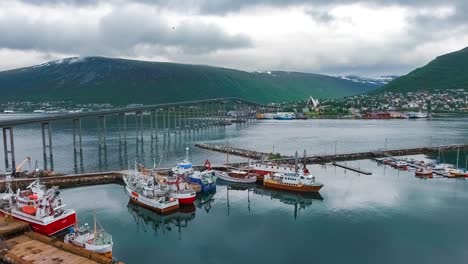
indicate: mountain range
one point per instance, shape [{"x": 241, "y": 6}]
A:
[
  {"x": 122, "y": 81},
  {"x": 449, "y": 71}
]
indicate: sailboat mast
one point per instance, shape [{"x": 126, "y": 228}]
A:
[
  {"x": 458, "y": 155},
  {"x": 439, "y": 155},
  {"x": 227, "y": 152}
]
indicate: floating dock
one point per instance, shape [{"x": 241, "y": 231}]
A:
[
  {"x": 347, "y": 167},
  {"x": 19, "y": 245}
]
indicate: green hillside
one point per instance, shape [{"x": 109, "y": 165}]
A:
[
  {"x": 119, "y": 81},
  {"x": 449, "y": 71}
]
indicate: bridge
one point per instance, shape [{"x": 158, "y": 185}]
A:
[{"x": 176, "y": 117}]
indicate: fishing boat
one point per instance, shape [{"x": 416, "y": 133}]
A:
[
  {"x": 96, "y": 240},
  {"x": 206, "y": 179},
  {"x": 298, "y": 181},
  {"x": 180, "y": 189},
  {"x": 142, "y": 191},
  {"x": 46, "y": 214},
  {"x": 423, "y": 172}
]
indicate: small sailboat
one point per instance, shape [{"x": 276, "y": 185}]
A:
[
  {"x": 96, "y": 240},
  {"x": 423, "y": 172},
  {"x": 456, "y": 172},
  {"x": 235, "y": 175}
]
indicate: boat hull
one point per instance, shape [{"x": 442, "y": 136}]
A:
[
  {"x": 204, "y": 187},
  {"x": 188, "y": 200},
  {"x": 58, "y": 225},
  {"x": 225, "y": 177},
  {"x": 152, "y": 205},
  {"x": 290, "y": 187}
]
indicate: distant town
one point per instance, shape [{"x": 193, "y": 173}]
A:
[{"x": 385, "y": 105}]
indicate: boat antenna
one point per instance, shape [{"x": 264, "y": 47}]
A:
[{"x": 297, "y": 160}]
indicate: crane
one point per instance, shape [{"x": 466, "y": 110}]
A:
[{"x": 18, "y": 171}]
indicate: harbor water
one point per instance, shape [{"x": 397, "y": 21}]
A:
[{"x": 387, "y": 217}]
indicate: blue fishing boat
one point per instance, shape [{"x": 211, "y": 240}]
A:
[{"x": 206, "y": 179}]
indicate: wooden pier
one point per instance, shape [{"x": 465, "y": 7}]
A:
[{"x": 19, "y": 245}]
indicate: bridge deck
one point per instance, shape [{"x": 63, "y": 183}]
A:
[{"x": 53, "y": 117}]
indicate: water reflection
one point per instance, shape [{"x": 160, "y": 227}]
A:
[
  {"x": 298, "y": 201},
  {"x": 147, "y": 220},
  {"x": 205, "y": 201}
]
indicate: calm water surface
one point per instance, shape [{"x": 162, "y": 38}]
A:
[{"x": 387, "y": 217}]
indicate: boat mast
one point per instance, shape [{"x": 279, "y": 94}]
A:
[
  {"x": 466, "y": 164},
  {"x": 458, "y": 155},
  {"x": 94, "y": 238},
  {"x": 296, "y": 163},
  {"x": 186, "y": 154}
]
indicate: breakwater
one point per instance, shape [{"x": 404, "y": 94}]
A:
[
  {"x": 320, "y": 159},
  {"x": 234, "y": 151}
]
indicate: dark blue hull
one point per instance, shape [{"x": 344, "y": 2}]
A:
[{"x": 204, "y": 187}]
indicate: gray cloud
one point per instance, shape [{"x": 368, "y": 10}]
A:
[
  {"x": 141, "y": 29},
  {"x": 117, "y": 33}
]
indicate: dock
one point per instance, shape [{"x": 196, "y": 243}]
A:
[
  {"x": 19, "y": 245},
  {"x": 347, "y": 167},
  {"x": 69, "y": 180}
]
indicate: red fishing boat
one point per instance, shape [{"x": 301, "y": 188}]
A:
[{"x": 46, "y": 214}]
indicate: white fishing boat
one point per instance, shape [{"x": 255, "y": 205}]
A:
[
  {"x": 96, "y": 240},
  {"x": 142, "y": 191}
]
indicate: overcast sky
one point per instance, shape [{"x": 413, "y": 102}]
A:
[{"x": 335, "y": 37}]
